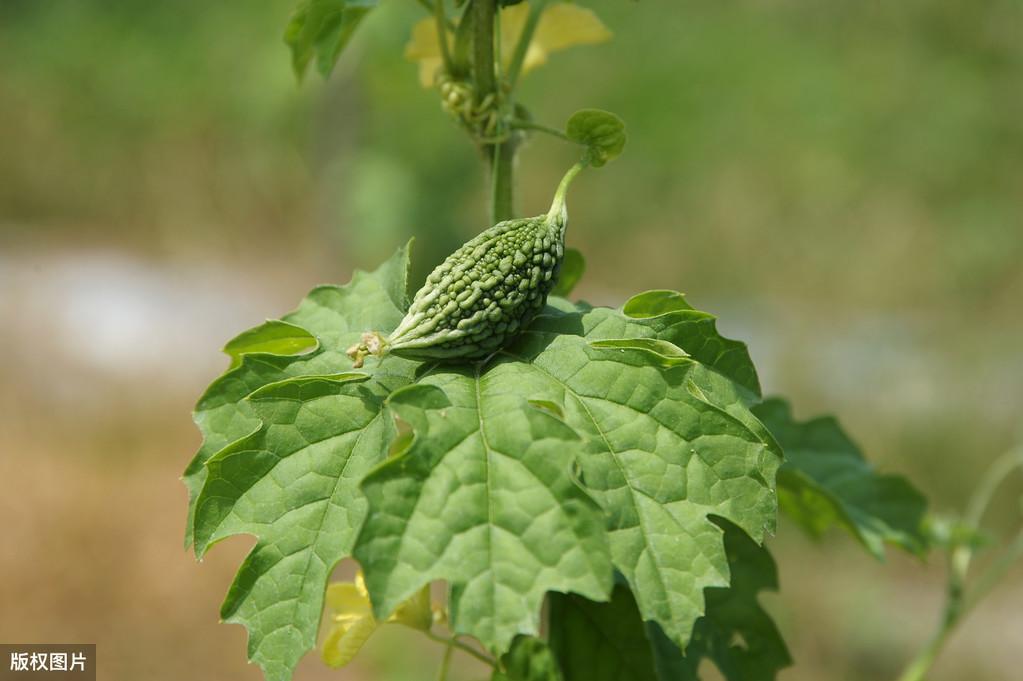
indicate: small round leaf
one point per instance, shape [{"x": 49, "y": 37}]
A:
[
  {"x": 572, "y": 268},
  {"x": 601, "y": 132}
]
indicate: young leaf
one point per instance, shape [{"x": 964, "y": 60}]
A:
[
  {"x": 667, "y": 315},
  {"x": 572, "y": 268},
  {"x": 668, "y": 354},
  {"x": 650, "y": 304},
  {"x": 484, "y": 499},
  {"x": 601, "y": 132},
  {"x": 322, "y": 29},
  {"x": 826, "y": 481},
  {"x": 272, "y": 337}
]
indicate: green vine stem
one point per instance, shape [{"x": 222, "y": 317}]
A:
[
  {"x": 502, "y": 186},
  {"x": 519, "y": 124},
  {"x": 442, "y": 35},
  {"x": 501, "y": 155},
  {"x": 960, "y": 600},
  {"x": 503, "y": 166},
  {"x": 995, "y": 572},
  {"x": 558, "y": 204},
  {"x": 453, "y": 642},
  {"x": 431, "y": 8},
  {"x": 445, "y": 663},
  {"x": 484, "y": 14}
]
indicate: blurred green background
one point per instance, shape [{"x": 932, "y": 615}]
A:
[{"x": 841, "y": 182}]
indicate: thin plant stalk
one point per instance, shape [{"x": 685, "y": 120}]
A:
[
  {"x": 467, "y": 649},
  {"x": 500, "y": 155},
  {"x": 536, "y": 8},
  {"x": 959, "y": 599},
  {"x": 445, "y": 663},
  {"x": 442, "y": 34},
  {"x": 518, "y": 124}
]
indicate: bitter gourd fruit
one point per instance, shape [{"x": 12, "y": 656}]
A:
[{"x": 483, "y": 294}]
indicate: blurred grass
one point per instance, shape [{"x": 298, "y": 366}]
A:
[{"x": 841, "y": 182}]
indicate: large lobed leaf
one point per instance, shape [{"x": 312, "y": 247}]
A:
[
  {"x": 826, "y": 481},
  {"x": 736, "y": 634},
  {"x": 601, "y": 440},
  {"x": 610, "y": 642},
  {"x": 294, "y": 484},
  {"x": 484, "y": 499},
  {"x": 600, "y": 641},
  {"x": 328, "y": 318},
  {"x": 286, "y": 441},
  {"x": 662, "y": 446}
]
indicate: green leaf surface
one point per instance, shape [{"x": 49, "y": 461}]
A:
[
  {"x": 273, "y": 337},
  {"x": 600, "y": 641},
  {"x": 572, "y": 268},
  {"x": 601, "y": 132},
  {"x": 610, "y": 641},
  {"x": 736, "y": 634},
  {"x": 826, "y": 481},
  {"x": 334, "y": 315},
  {"x": 529, "y": 659},
  {"x": 650, "y": 304},
  {"x": 598, "y": 440},
  {"x": 485, "y": 499},
  {"x": 294, "y": 484},
  {"x": 666, "y": 315},
  {"x": 320, "y": 30},
  {"x": 667, "y": 354},
  {"x": 666, "y": 445}
]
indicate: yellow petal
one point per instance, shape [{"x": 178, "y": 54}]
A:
[
  {"x": 345, "y": 640},
  {"x": 423, "y": 42},
  {"x": 416, "y": 612},
  {"x": 563, "y": 25},
  {"x": 360, "y": 584},
  {"x": 353, "y": 621},
  {"x": 429, "y": 67},
  {"x": 513, "y": 20},
  {"x": 423, "y": 47},
  {"x": 535, "y": 56},
  {"x": 346, "y": 599}
]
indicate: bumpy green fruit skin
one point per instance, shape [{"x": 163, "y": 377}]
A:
[{"x": 485, "y": 292}]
